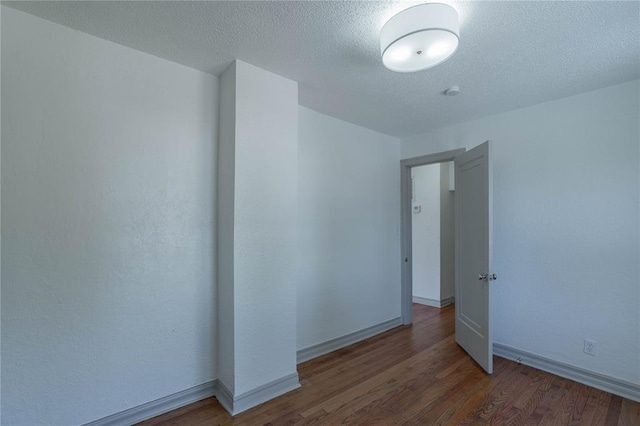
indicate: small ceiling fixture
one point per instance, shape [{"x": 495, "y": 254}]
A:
[
  {"x": 420, "y": 37},
  {"x": 452, "y": 91}
]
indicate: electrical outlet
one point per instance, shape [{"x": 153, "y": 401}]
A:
[{"x": 590, "y": 347}]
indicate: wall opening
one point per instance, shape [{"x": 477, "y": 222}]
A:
[{"x": 432, "y": 239}]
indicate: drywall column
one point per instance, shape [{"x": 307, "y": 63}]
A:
[{"x": 257, "y": 223}]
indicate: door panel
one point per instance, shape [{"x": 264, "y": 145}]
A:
[{"x": 473, "y": 254}]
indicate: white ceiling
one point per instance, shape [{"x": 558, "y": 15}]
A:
[{"x": 511, "y": 54}]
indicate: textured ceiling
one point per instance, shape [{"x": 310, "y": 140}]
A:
[{"x": 511, "y": 54}]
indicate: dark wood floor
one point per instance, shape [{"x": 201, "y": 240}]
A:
[{"x": 418, "y": 375}]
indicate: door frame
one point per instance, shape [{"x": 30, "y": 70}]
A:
[{"x": 406, "y": 267}]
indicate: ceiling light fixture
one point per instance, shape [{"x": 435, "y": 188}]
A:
[{"x": 420, "y": 37}]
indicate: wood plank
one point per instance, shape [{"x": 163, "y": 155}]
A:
[
  {"x": 595, "y": 412},
  {"x": 629, "y": 413}
]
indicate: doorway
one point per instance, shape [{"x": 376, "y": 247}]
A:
[
  {"x": 407, "y": 208},
  {"x": 432, "y": 224}
]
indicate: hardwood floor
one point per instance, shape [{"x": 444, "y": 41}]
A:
[{"x": 419, "y": 376}]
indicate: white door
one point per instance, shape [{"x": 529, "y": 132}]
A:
[{"x": 473, "y": 254}]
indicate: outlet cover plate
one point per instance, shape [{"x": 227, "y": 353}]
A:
[{"x": 590, "y": 347}]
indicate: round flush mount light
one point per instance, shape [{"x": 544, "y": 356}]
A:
[{"x": 420, "y": 37}]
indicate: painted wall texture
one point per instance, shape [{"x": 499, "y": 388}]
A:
[
  {"x": 260, "y": 138},
  {"x": 108, "y": 189},
  {"x": 349, "y": 228},
  {"x": 225, "y": 229},
  {"x": 566, "y": 225}
]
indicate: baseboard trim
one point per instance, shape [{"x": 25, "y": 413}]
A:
[
  {"x": 433, "y": 302},
  {"x": 215, "y": 388},
  {"x": 599, "y": 381},
  {"x": 448, "y": 301},
  {"x": 263, "y": 393},
  {"x": 224, "y": 397},
  {"x": 324, "y": 348},
  {"x": 158, "y": 406}
]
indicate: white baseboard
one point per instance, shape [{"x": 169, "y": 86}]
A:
[
  {"x": 224, "y": 397},
  {"x": 334, "y": 344},
  {"x": 448, "y": 301},
  {"x": 433, "y": 302},
  {"x": 159, "y": 406},
  {"x": 599, "y": 381},
  {"x": 238, "y": 404},
  {"x": 233, "y": 405}
]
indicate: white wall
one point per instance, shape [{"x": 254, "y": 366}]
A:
[
  {"x": 263, "y": 150},
  {"x": 425, "y": 233},
  {"x": 108, "y": 185},
  {"x": 265, "y": 226},
  {"x": 349, "y": 220},
  {"x": 225, "y": 229},
  {"x": 566, "y": 225}
]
